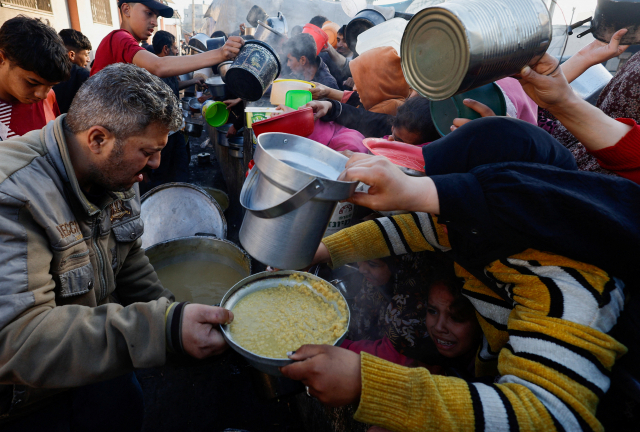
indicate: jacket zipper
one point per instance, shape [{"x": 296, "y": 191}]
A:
[{"x": 103, "y": 282}]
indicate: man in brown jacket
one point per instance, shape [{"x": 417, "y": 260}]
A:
[{"x": 79, "y": 302}]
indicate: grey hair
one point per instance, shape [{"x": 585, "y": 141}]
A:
[{"x": 123, "y": 99}]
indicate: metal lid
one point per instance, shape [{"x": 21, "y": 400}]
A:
[
  {"x": 175, "y": 210},
  {"x": 435, "y": 53}
]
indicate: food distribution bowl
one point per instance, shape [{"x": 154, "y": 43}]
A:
[{"x": 258, "y": 282}]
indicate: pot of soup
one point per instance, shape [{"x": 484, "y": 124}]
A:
[{"x": 199, "y": 269}]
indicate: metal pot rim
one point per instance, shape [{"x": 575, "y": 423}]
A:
[{"x": 283, "y": 274}]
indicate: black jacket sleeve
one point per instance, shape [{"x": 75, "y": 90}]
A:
[{"x": 369, "y": 124}]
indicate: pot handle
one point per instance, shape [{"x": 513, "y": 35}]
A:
[{"x": 310, "y": 190}]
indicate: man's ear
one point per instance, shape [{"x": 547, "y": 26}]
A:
[
  {"x": 72, "y": 55},
  {"x": 166, "y": 50},
  {"x": 303, "y": 61},
  {"x": 99, "y": 140}
]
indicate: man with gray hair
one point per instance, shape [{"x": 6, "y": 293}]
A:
[{"x": 80, "y": 305}]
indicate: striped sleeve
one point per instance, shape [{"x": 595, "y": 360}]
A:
[
  {"x": 555, "y": 356},
  {"x": 397, "y": 235}
]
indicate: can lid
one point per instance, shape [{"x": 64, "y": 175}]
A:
[{"x": 435, "y": 53}]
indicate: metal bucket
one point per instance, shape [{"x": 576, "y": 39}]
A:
[
  {"x": 590, "y": 84},
  {"x": 174, "y": 210},
  {"x": 258, "y": 282},
  {"x": 236, "y": 146},
  {"x": 199, "y": 249},
  {"x": 464, "y": 44},
  {"x": 253, "y": 71},
  {"x": 290, "y": 196}
]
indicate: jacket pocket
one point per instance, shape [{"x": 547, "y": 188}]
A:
[
  {"x": 129, "y": 231},
  {"x": 77, "y": 281}
]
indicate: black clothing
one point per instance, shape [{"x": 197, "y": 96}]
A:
[
  {"x": 174, "y": 84},
  {"x": 368, "y": 123},
  {"x": 66, "y": 90}
]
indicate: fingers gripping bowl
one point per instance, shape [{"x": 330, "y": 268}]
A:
[{"x": 276, "y": 312}]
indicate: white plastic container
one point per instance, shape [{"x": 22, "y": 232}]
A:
[
  {"x": 389, "y": 33},
  {"x": 280, "y": 88},
  {"x": 341, "y": 218},
  {"x": 352, "y": 7},
  {"x": 256, "y": 114}
]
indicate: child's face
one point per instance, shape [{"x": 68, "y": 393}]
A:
[
  {"x": 401, "y": 134},
  {"x": 452, "y": 335},
  {"x": 375, "y": 271},
  {"x": 20, "y": 85},
  {"x": 81, "y": 58},
  {"x": 141, "y": 19}
]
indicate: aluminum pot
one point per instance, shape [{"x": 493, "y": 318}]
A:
[
  {"x": 187, "y": 77},
  {"x": 222, "y": 134},
  {"x": 217, "y": 88},
  {"x": 185, "y": 102},
  {"x": 270, "y": 36},
  {"x": 174, "y": 210},
  {"x": 258, "y": 282},
  {"x": 193, "y": 129},
  {"x": 613, "y": 15},
  {"x": 256, "y": 13},
  {"x": 198, "y": 248},
  {"x": 290, "y": 196},
  {"x": 464, "y": 44},
  {"x": 364, "y": 20},
  {"x": 236, "y": 146},
  {"x": 205, "y": 43},
  {"x": 253, "y": 71}
]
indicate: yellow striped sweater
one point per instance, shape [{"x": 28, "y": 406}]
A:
[{"x": 554, "y": 356}]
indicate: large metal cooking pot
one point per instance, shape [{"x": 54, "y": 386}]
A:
[
  {"x": 205, "y": 43},
  {"x": 258, "y": 282},
  {"x": 256, "y": 13},
  {"x": 271, "y": 36},
  {"x": 175, "y": 210},
  {"x": 198, "y": 249},
  {"x": 253, "y": 71},
  {"x": 193, "y": 129},
  {"x": 217, "y": 88},
  {"x": 611, "y": 16},
  {"x": 236, "y": 146},
  {"x": 364, "y": 20},
  {"x": 464, "y": 44},
  {"x": 290, "y": 196}
]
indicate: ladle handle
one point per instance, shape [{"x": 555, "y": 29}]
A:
[{"x": 295, "y": 201}]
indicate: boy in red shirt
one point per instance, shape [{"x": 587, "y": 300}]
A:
[
  {"x": 138, "y": 21},
  {"x": 32, "y": 60}
]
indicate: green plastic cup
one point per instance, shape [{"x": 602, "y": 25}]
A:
[{"x": 216, "y": 113}]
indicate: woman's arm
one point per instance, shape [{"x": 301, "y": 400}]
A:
[{"x": 592, "y": 54}]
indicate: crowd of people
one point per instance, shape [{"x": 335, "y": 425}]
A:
[{"x": 504, "y": 297}]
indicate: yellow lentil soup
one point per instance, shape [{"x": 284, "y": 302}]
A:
[{"x": 273, "y": 321}]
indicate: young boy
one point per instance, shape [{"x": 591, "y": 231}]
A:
[
  {"x": 32, "y": 60},
  {"x": 138, "y": 21},
  {"x": 78, "y": 48}
]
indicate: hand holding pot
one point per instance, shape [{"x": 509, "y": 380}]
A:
[
  {"x": 320, "y": 108},
  {"x": 389, "y": 188},
  {"x": 546, "y": 84},
  {"x": 332, "y": 374},
  {"x": 232, "y": 47},
  {"x": 478, "y": 107},
  {"x": 201, "y": 336}
]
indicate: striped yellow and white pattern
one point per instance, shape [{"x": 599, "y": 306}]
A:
[{"x": 554, "y": 356}]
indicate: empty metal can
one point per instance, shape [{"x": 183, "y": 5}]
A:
[{"x": 463, "y": 44}]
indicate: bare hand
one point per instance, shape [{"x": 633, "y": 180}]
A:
[
  {"x": 285, "y": 109},
  {"x": 201, "y": 336},
  {"x": 320, "y": 108},
  {"x": 331, "y": 373},
  {"x": 232, "y": 102},
  {"x": 546, "y": 90},
  {"x": 478, "y": 107},
  {"x": 203, "y": 99},
  {"x": 390, "y": 188},
  {"x": 232, "y": 47},
  {"x": 349, "y": 82},
  {"x": 320, "y": 91},
  {"x": 232, "y": 131},
  {"x": 599, "y": 52},
  {"x": 199, "y": 81}
]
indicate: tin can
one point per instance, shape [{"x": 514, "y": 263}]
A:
[{"x": 464, "y": 44}]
